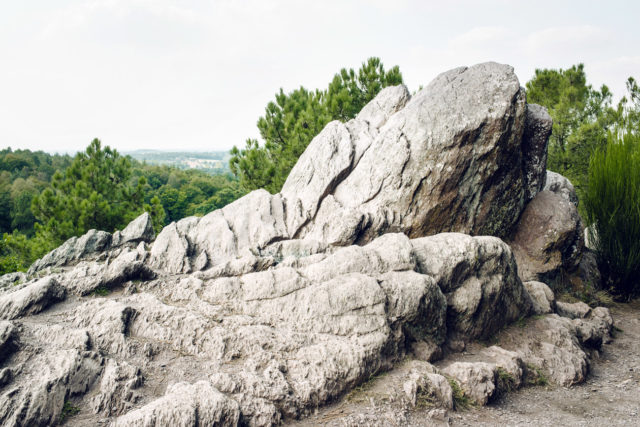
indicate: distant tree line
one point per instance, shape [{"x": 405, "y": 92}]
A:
[{"x": 46, "y": 199}]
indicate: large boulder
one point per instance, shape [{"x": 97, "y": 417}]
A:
[
  {"x": 445, "y": 162},
  {"x": 548, "y": 239}
]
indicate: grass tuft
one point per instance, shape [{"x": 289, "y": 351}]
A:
[
  {"x": 612, "y": 203},
  {"x": 68, "y": 410},
  {"x": 506, "y": 381},
  {"x": 461, "y": 401},
  {"x": 535, "y": 377},
  {"x": 101, "y": 291}
]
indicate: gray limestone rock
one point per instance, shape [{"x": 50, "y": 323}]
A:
[
  {"x": 118, "y": 389},
  {"x": 31, "y": 299},
  {"x": 576, "y": 310},
  {"x": 46, "y": 380},
  {"x": 427, "y": 384},
  {"x": 8, "y": 335},
  {"x": 185, "y": 405},
  {"x": 266, "y": 309},
  {"x": 511, "y": 367},
  {"x": 138, "y": 230},
  {"x": 10, "y": 279},
  {"x": 477, "y": 380},
  {"x": 479, "y": 277},
  {"x": 544, "y": 301},
  {"x": 91, "y": 243},
  {"x": 449, "y": 158}
]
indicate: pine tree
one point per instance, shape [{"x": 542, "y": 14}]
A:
[
  {"x": 294, "y": 119},
  {"x": 94, "y": 192}
]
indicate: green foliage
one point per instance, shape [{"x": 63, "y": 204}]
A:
[
  {"x": 612, "y": 203},
  {"x": 581, "y": 118},
  {"x": 23, "y": 175},
  {"x": 61, "y": 191},
  {"x": 506, "y": 381},
  {"x": 156, "y": 210},
  {"x": 92, "y": 193},
  {"x": 460, "y": 400},
  {"x": 534, "y": 376},
  {"x": 101, "y": 291},
  {"x": 294, "y": 119},
  {"x": 17, "y": 251},
  {"x": 425, "y": 398},
  {"x": 348, "y": 92},
  {"x": 68, "y": 410},
  {"x": 186, "y": 192}
]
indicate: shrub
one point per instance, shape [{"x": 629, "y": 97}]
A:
[{"x": 612, "y": 203}]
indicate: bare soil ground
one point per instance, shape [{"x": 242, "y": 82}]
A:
[{"x": 609, "y": 397}]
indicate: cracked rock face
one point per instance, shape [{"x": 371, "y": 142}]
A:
[
  {"x": 266, "y": 309},
  {"x": 455, "y": 157}
]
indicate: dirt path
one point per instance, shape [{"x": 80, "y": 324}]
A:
[{"x": 610, "y": 396}]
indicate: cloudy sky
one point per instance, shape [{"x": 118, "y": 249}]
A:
[{"x": 196, "y": 75}]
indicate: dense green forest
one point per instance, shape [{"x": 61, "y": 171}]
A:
[{"x": 46, "y": 199}]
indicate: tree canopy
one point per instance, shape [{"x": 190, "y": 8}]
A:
[
  {"x": 582, "y": 118},
  {"x": 294, "y": 119},
  {"x": 93, "y": 192}
]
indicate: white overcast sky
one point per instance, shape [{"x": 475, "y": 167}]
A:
[{"x": 196, "y": 75}]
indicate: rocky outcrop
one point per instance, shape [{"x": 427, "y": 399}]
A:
[
  {"x": 266, "y": 309},
  {"x": 449, "y": 166},
  {"x": 138, "y": 230},
  {"x": 548, "y": 239},
  {"x": 93, "y": 242}
]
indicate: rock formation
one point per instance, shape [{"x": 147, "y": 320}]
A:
[{"x": 262, "y": 311}]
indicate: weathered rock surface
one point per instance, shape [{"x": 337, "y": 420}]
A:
[
  {"x": 548, "y": 239},
  {"x": 185, "y": 405},
  {"x": 479, "y": 277},
  {"x": 561, "y": 186},
  {"x": 477, "y": 380},
  {"x": 31, "y": 299},
  {"x": 544, "y": 301},
  {"x": 454, "y": 162},
  {"x": 537, "y": 130},
  {"x": 262, "y": 311},
  {"x": 138, "y": 230},
  {"x": 75, "y": 248},
  {"x": 448, "y": 164}
]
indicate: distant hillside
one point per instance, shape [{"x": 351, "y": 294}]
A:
[{"x": 212, "y": 162}]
